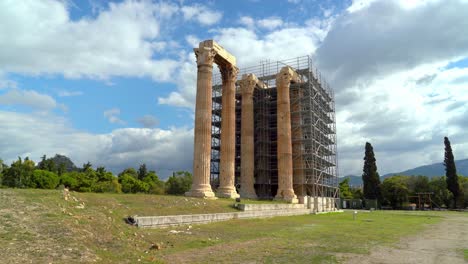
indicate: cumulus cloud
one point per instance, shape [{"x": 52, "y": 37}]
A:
[
  {"x": 201, "y": 14},
  {"x": 386, "y": 37},
  {"x": 34, "y": 135},
  {"x": 123, "y": 39},
  {"x": 249, "y": 48},
  {"x": 270, "y": 23},
  {"x": 247, "y": 21},
  {"x": 29, "y": 98},
  {"x": 387, "y": 61},
  {"x": 148, "y": 121},
  {"x": 112, "y": 116}
]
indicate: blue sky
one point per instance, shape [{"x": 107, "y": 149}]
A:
[{"x": 114, "y": 82}]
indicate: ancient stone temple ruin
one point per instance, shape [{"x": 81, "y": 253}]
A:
[{"x": 265, "y": 132}]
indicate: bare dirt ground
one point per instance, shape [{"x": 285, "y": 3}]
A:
[{"x": 440, "y": 244}]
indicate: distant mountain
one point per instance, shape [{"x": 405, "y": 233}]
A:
[
  {"x": 66, "y": 161},
  {"x": 354, "y": 181},
  {"x": 432, "y": 170}
]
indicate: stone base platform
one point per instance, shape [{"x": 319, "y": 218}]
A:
[{"x": 310, "y": 206}]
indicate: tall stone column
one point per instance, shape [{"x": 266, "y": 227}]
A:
[
  {"x": 247, "y": 85},
  {"x": 228, "y": 132},
  {"x": 285, "y": 169},
  {"x": 202, "y": 147}
]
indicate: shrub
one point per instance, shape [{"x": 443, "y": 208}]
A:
[
  {"x": 45, "y": 179},
  {"x": 132, "y": 185},
  {"x": 179, "y": 183},
  {"x": 112, "y": 186}
]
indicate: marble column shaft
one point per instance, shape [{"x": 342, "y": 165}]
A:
[
  {"x": 202, "y": 144},
  {"x": 228, "y": 132},
  {"x": 285, "y": 169},
  {"x": 247, "y": 85}
]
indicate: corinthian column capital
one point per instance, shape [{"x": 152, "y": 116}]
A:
[
  {"x": 228, "y": 73},
  {"x": 205, "y": 56},
  {"x": 247, "y": 84},
  {"x": 286, "y": 76}
]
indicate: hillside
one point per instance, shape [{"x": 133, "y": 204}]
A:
[
  {"x": 40, "y": 226},
  {"x": 431, "y": 170}
]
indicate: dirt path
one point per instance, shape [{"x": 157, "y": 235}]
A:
[{"x": 439, "y": 244}]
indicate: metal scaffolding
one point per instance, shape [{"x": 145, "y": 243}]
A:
[{"x": 313, "y": 130}]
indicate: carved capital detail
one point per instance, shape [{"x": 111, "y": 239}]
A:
[
  {"x": 228, "y": 73},
  {"x": 286, "y": 76},
  {"x": 205, "y": 56},
  {"x": 247, "y": 84}
]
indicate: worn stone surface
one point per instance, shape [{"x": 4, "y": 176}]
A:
[
  {"x": 228, "y": 133},
  {"x": 162, "y": 221},
  {"x": 207, "y": 53},
  {"x": 285, "y": 165},
  {"x": 247, "y": 85},
  {"x": 202, "y": 143}
]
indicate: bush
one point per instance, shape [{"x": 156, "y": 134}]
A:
[
  {"x": 70, "y": 180},
  {"x": 179, "y": 183},
  {"x": 112, "y": 186},
  {"x": 45, "y": 179},
  {"x": 132, "y": 185}
]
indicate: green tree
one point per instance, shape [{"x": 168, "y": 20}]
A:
[
  {"x": 464, "y": 186},
  {"x": 142, "y": 172},
  {"x": 156, "y": 185},
  {"x": 103, "y": 175},
  {"x": 179, "y": 183},
  {"x": 395, "y": 191},
  {"x": 451, "y": 172},
  {"x": 42, "y": 164},
  {"x": 110, "y": 186},
  {"x": 370, "y": 176},
  {"x": 70, "y": 180},
  {"x": 3, "y": 167},
  {"x": 130, "y": 171},
  {"x": 131, "y": 184},
  {"x": 87, "y": 179},
  {"x": 345, "y": 191},
  {"x": 20, "y": 174},
  {"x": 441, "y": 195},
  {"x": 87, "y": 166},
  {"x": 357, "y": 193},
  {"x": 45, "y": 179},
  {"x": 417, "y": 184}
]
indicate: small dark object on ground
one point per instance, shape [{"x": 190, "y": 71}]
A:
[
  {"x": 130, "y": 220},
  {"x": 156, "y": 246},
  {"x": 238, "y": 200}
]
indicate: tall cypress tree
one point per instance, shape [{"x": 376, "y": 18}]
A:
[
  {"x": 451, "y": 172},
  {"x": 370, "y": 176}
]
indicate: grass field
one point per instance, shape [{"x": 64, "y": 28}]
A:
[{"x": 40, "y": 226}]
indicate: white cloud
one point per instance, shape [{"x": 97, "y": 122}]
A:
[
  {"x": 64, "y": 93},
  {"x": 270, "y": 23},
  {"x": 128, "y": 38},
  {"x": 201, "y": 14},
  {"x": 148, "y": 121},
  {"x": 192, "y": 40},
  {"x": 385, "y": 37},
  {"x": 35, "y": 135},
  {"x": 392, "y": 87},
  {"x": 247, "y": 21},
  {"x": 28, "y": 98},
  {"x": 249, "y": 48},
  {"x": 112, "y": 116}
]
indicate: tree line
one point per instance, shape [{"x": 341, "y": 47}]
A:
[
  {"x": 397, "y": 191},
  {"x": 59, "y": 171}
]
